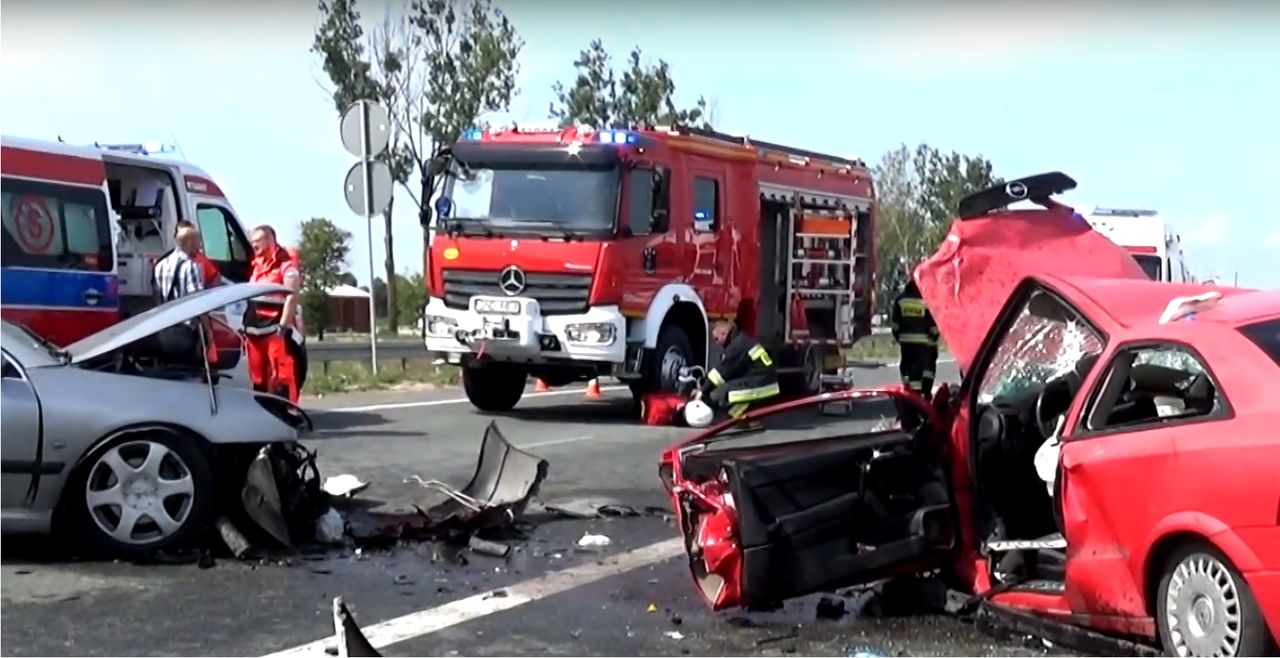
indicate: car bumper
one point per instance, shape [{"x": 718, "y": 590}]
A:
[
  {"x": 1265, "y": 586},
  {"x": 525, "y": 335}
]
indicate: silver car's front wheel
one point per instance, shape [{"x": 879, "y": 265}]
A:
[{"x": 145, "y": 493}]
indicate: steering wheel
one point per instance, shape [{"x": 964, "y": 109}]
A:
[{"x": 1046, "y": 417}]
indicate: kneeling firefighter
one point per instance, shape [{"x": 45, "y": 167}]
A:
[
  {"x": 746, "y": 374},
  {"x": 269, "y": 321}
]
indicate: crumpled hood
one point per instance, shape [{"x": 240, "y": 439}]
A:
[{"x": 970, "y": 277}]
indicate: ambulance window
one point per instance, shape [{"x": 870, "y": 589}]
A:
[
  {"x": 706, "y": 204},
  {"x": 219, "y": 230},
  {"x": 54, "y": 226}
]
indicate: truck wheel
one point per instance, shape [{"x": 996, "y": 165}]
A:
[
  {"x": 1204, "y": 607},
  {"x": 142, "y": 494},
  {"x": 494, "y": 387},
  {"x": 673, "y": 352},
  {"x": 809, "y": 381}
]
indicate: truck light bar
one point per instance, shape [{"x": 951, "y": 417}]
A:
[
  {"x": 146, "y": 148},
  {"x": 472, "y": 135},
  {"x": 1123, "y": 212},
  {"x": 616, "y": 137}
]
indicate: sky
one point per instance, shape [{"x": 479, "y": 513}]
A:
[{"x": 1169, "y": 106}]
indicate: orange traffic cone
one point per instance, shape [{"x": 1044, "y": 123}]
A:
[
  {"x": 593, "y": 388},
  {"x": 540, "y": 386}
]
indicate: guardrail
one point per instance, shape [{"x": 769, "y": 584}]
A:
[{"x": 324, "y": 352}]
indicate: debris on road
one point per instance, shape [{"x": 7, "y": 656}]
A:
[
  {"x": 830, "y": 607},
  {"x": 350, "y": 639},
  {"x": 344, "y": 485},
  {"x": 594, "y": 541},
  {"x": 675, "y": 635},
  {"x": 233, "y": 538},
  {"x": 490, "y": 548},
  {"x": 653, "y": 607},
  {"x": 331, "y": 528}
]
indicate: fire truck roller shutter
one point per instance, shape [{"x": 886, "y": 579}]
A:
[{"x": 663, "y": 302}]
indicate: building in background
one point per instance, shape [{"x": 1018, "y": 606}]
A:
[{"x": 348, "y": 310}]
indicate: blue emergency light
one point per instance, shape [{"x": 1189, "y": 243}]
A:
[
  {"x": 473, "y": 135},
  {"x": 616, "y": 137},
  {"x": 701, "y": 214}
]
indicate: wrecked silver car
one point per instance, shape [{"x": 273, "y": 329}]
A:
[{"x": 134, "y": 455}]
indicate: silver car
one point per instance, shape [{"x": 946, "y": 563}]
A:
[{"x": 130, "y": 453}]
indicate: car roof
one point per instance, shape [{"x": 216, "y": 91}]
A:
[{"x": 1137, "y": 303}]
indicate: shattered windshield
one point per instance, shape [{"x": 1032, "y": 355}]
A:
[
  {"x": 1046, "y": 341},
  {"x": 548, "y": 199}
]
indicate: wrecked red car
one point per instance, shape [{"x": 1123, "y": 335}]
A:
[{"x": 1109, "y": 461}]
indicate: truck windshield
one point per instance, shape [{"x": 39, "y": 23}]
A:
[
  {"x": 537, "y": 200},
  {"x": 1150, "y": 265}
]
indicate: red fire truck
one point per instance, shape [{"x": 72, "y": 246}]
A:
[{"x": 572, "y": 253}]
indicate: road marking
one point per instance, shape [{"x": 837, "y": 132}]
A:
[
  {"x": 437, "y": 403},
  {"x": 425, "y": 622}
]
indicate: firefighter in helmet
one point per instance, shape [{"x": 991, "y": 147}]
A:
[
  {"x": 917, "y": 337},
  {"x": 746, "y": 373}
]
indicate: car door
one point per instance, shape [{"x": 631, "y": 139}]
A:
[
  {"x": 20, "y": 433},
  {"x": 707, "y": 240},
  {"x": 647, "y": 247},
  {"x": 1128, "y": 466},
  {"x": 811, "y": 496},
  {"x": 228, "y": 247}
]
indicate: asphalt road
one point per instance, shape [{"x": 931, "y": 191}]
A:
[{"x": 633, "y": 597}]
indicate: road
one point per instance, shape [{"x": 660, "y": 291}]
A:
[{"x": 548, "y": 598}]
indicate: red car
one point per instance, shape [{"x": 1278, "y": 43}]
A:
[{"x": 1110, "y": 459}]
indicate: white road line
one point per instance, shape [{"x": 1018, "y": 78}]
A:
[
  {"x": 438, "y": 403},
  {"x": 425, "y": 622}
]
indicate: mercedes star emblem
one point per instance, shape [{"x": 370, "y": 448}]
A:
[
  {"x": 1017, "y": 189},
  {"x": 511, "y": 280}
]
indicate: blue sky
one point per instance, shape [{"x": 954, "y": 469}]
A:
[{"x": 1171, "y": 108}]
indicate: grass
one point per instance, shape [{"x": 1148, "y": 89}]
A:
[
  {"x": 877, "y": 347},
  {"x": 348, "y": 376}
]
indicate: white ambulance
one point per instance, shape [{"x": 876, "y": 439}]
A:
[{"x": 1151, "y": 242}]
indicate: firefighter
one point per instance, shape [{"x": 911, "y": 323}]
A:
[
  {"x": 917, "y": 336},
  {"x": 745, "y": 375},
  {"x": 269, "y": 320}
]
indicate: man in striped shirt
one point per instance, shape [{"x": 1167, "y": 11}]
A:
[{"x": 175, "y": 276}]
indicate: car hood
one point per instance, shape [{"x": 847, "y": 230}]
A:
[
  {"x": 164, "y": 316},
  {"x": 967, "y": 281}
]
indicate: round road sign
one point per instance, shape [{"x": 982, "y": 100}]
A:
[
  {"x": 379, "y": 191},
  {"x": 32, "y": 224},
  {"x": 379, "y": 129}
]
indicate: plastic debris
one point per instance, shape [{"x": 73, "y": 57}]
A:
[
  {"x": 344, "y": 485},
  {"x": 653, "y": 607},
  {"x": 490, "y": 548},
  {"x": 331, "y": 528},
  {"x": 675, "y": 635},
  {"x": 862, "y": 652},
  {"x": 594, "y": 541}
]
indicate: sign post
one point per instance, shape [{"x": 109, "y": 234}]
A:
[{"x": 366, "y": 132}]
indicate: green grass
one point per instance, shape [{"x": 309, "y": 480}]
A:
[
  {"x": 349, "y": 376},
  {"x": 877, "y": 347}
]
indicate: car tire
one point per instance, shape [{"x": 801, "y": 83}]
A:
[
  {"x": 494, "y": 387},
  {"x": 167, "y": 489},
  {"x": 672, "y": 351},
  {"x": 1199, "y": 588}
]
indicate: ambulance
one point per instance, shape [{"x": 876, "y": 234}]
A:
[
  {"x": 1151, "y": 242},
  {"x": 85, "y": 225}
]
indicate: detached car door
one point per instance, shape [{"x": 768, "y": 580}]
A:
[{"x": 811, "y": 496}]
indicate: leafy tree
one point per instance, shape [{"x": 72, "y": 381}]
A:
[
  {"x": 436, "y": 67},
  {"x": 918, "y": 192},
  {"x": 324, "y": 249},
  {"x": 347, "y": 278},
  {"x": 411, "y": 296},
  {"x": 644, "y": 93}
]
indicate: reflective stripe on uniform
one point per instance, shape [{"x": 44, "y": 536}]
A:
[
  {"x": 715, "y": 378},
  {"x": 928, "y": 374},
  {"x": 916, "y": 339},
  {"x": 753, "y": 394},
  {"x": 262, "y": 331},
  {"x": 912, "y": 308},
  {"x": 738, "y": 410},
  {"x": 758, "y": 353}
]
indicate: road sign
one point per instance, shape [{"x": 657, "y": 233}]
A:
[
  {"x": 379, "y": 122},
  {"x": 379, "y": 189}
]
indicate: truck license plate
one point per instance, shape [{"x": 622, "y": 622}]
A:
[{"x": 498, "y": 306}]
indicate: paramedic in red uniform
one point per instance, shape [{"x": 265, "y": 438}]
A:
[{"x": 270, "y": 318}]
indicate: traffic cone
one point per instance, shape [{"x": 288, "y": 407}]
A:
[
  {"x": 540, "y": 386},
  {"x": 593, "y": 388}
]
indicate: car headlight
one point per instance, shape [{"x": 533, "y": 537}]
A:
[
  {"x": 441, "y": 326},
  {"x": 594, "y": 333},
  {"x": 286, "y": 412}
]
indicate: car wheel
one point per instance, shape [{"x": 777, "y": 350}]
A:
[
  {"x": 1205, "y": 608},
  {"x": 142, "y": 494}
]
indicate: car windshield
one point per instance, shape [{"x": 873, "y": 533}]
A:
[
  {"x": 1046, "y": 341},
  {"x": 540, "y": 200},
  {"x": 1150, "y": 265}
]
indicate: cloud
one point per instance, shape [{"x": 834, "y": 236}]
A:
[{"x": 1272, "y": 240}]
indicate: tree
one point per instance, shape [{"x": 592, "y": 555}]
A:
[
  {"x": 349, "y": 279},
  {"x": 645, "y": 93},
  {"x": 918, "y": 192},
  {"x": 324, "y": 249},
  {"x": 411, "y": 297},
  {"x": 436, "y": 67}
]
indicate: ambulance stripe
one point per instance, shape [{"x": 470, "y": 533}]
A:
[
  {"x": 58, "y": 167},
  {"x": 57, "y": 289}
]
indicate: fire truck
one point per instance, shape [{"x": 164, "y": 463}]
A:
[
  {"x": 568, "y": 254},
  {"x": 84, "y": 226}
]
